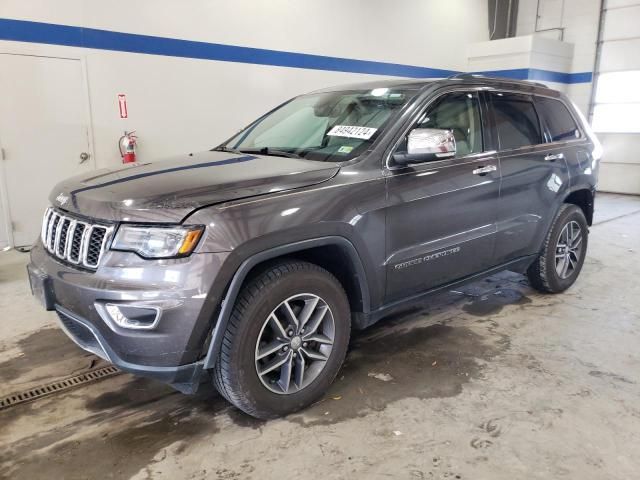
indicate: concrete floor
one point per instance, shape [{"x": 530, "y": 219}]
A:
[{"x": 495, "y": 382}]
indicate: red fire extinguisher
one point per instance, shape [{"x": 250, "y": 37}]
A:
[{"x": 127, "y": 146}]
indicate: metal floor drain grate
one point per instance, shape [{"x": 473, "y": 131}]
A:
[{"x": 68, "y": 383}]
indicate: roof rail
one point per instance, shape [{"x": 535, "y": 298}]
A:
[{"x": 465, "y": 75}]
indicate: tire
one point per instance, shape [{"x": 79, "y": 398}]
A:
[
  {"x": 548, "y": 273},
  {"x": 252, "y": 331}
]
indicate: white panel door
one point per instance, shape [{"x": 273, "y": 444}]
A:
[{"x": 44, "y": 134}]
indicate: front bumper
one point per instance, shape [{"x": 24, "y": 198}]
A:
[{"x": 171, "y": 352}]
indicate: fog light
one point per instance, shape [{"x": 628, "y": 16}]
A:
[{"x": 133, "y": 316}]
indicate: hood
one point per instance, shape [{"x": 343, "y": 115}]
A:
[{"x": 167, "y": 191}]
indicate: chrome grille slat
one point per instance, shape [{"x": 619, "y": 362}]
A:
[
  {"x": 46, "y": 230},
  {"x": 45, "y": 224},
  {"x": 95, "y": 247},
  {"x": 50, "y": 230},
  {"x": 69, "y": 238},
  {"x": 75, "y": 251},
  {"x": 54, "y": 232},
  {"x": 73, "y": 240},
  {"x": 61, "y": 236},
  {"x": 85, "y": 244}
]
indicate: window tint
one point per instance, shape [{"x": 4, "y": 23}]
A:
[
  {"x": 460, "y": 113},
  {"x": 516, "y": 120},
  {"x": 558, "y": 119}
]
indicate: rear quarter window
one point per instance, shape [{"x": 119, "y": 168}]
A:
[
  {"x": 558, "y": 119},
  {"x": 516, "y": 120}
]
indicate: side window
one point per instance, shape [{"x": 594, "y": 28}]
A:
[
  {"x": 516, "y": 120},
  {"x": 559, "y": 121},
  {"x": 460, "y": 113}
]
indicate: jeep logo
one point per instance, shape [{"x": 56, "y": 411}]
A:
[{"x": 62, "y": 199}]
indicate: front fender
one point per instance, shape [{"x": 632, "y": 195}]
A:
[{"x": 238, "y": 278}]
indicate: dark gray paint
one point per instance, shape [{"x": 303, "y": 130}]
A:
[
  {"x": 168, "y": 191},
  {"x": 418, "y": 227},
  {"x": 257, "y": 207}
]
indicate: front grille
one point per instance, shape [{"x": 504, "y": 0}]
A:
[{"x": 74, "y": 240}]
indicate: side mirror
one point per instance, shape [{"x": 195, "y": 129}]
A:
[{"x": 425, "y": 145}]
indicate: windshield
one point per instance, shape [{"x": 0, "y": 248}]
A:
[{"x": 331, "y": 126}]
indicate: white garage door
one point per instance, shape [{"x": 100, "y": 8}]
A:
[
  {"x": 616, "y": 115},
  {"x": 44, "y": 136}
]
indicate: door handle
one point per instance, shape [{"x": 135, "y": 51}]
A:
[
  {"x": 484, "y": 170},
  {"x": 553, "y": 158}
]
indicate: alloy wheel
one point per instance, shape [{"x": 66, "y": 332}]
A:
[
  {"x": 294, "y": 343},
  {"x": 568, "y": 249}
]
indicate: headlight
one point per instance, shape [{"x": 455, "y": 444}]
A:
[{"x": 157, "y": 242}]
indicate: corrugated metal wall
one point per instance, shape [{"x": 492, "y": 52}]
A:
[{"x": 620, "y": 52}]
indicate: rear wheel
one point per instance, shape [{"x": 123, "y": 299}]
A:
[
  {"x": 559, "y": 264},
  {"x": 286, "y": 340}
]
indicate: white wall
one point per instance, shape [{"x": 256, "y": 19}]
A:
[
  {"x": 533, "y": 53},
  {"x": 4, "y": 235},
  {"x": 5, "y": 221},
  {"x": 573, "y": 21},
  {"x": 182, "y": 104},
  {"x": 620, "y": 171}
]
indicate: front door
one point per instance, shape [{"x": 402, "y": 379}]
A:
[
  {"x": 441, "y": 214},
  {"x": 43, "y": 134}
]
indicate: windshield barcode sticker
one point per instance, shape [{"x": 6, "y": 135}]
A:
[{"x": 364, "y": 133}]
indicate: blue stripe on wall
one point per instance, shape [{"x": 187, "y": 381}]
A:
[{"x": 37, "y": 32}]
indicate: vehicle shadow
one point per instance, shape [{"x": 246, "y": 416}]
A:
[
  {"x": 417, "y": 353},
  {"x": 400, "y": 356}
]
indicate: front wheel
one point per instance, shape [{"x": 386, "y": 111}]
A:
[
  {"x": 286, "y": 340},
  {"x": 560, "y": 261}
]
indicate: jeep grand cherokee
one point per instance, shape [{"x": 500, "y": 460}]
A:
[{"x": 250, "y": 264}]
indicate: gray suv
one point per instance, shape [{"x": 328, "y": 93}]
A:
[{"x": 250, "y": 264}]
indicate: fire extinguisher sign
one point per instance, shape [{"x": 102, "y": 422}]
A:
[{"x": 122, "y": 105}]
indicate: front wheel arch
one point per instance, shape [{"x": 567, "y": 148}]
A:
[
  {"x": 266, "y": 256},
  {"x": 279, "y": 353}
]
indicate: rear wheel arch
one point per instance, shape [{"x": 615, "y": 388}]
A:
[
  {"x": 582, "y": 198},
  {"x": 543, "y": 272}
]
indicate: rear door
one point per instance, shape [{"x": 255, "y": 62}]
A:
[
  {"x": 441, "y": 214},
  {"x": 534, "y": 175},
  {"x": 567, "y": 140}
]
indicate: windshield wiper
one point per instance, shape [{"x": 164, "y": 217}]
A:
[
  {"x": 227, "y": 149},
  {"x": 271, "y": 152}
]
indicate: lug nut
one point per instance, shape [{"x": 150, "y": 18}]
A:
[
  {"x": 304, "y": 344},
  {"x": 295, "y": 354},
  {"x": 285, "y": 348},
  {"x": 290, "y": 333},
  {"x": 302, "y": 331}
]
